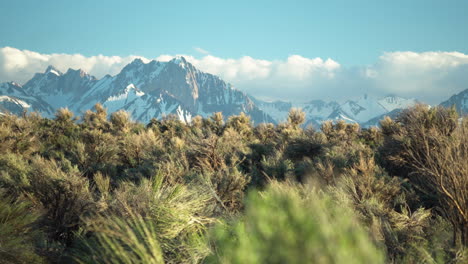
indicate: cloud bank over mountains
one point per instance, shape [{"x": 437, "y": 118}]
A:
[{"x": 427, "y": 76}]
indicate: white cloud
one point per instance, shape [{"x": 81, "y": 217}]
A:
[
  {"x": 20, "y": 65},
  {"x": 428, "y": 76}
]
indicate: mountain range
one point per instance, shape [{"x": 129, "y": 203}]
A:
[{"x": 157, "y": 89}]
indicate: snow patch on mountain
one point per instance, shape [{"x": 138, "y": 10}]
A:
[
  {"x": 362, "y": 109},
  {"x": 4, "y": 98},
  {"x": 12, "y": 105},
  {"x": 184, "y": 115},
  {"x": 129, "y": 93}
]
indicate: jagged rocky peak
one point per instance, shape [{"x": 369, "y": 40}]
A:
[
  {"x": 182, "y": 64},
  {"x": 52, "y": 70},
  {"x": 137, "y": 61},
  {"x": 137, "y": 66},
  {"x": 79, "y": 73},
  {"x": 178, "y": 60},
  {"x": 176, "y": 78},
  {"x": 58, "y": 89},
  {"x": 175, "y": 86},
  {"x": 181, "y": 61}
]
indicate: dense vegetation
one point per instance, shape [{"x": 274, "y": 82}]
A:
[{"x": 100, "y": 190}]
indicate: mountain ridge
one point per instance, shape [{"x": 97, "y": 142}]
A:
[
  {"x": 160, "y": 89},
  {"x": 156, "y": 89}
]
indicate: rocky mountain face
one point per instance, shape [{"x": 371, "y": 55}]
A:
[
  {"x": 460, "y": 101},
  {"x": 58, "y": 89},
  {"x": 146, "y": 90}
]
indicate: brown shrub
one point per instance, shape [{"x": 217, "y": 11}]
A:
[{"x": 430, "y": 148}]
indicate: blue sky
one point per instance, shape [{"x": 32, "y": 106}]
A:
[
  {"x": 351, "y": 32},
  {"x": 287, "y": 50}
]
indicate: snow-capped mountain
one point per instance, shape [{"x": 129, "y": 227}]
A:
[
  {"x": 460, "y": 101},
  {"x": 366, "y": 108},
  {"x": 146, "y": 90},
  {"x": 16, "y": 100},
  {"x": 156, "y": 89},
  {"x": 59, "y": 89},
  {"x": 360, "y": 110}
]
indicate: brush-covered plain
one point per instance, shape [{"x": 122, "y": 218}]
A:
[{"x": 101, "y": 189}]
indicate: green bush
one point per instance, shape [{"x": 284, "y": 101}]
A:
[
  {"x": 291, "y": 224},
  {"x": 123, "y": 240},
  {"x": 148, "y": 221}
]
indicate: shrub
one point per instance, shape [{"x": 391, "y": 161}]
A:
[
  {"x": 266, "y": 133},
  {"x": 17, "y": 232},
  {"x": 63, "y": 197},
  {"x": 174, "y": 215},
  {"x": 64, "y": 115},
  {"x": 277, "y": 167},
  {"x": 296, "y": 117},
  {"x": 123, "y": 240},
  {"x": 140, "y": 148},
  {"x": 98, "y": 153},
  {"x": 240, "y": 123},
  {"x": 19, "y": 135},
  {"x": 381, "y": 205},
  {"x": 97, "y": 119},
  {"x": 217, "y": 124},
  {"x": 14, "y": 173},
  {"x": 120, "y": 121},
  {"x": 227, "y": 186},
  {"x": 430, "y": 148},
  {"x": 92, "y": 183},
  {"x": 292, "y": 224},
  {"x": 300, "y": 147}
]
